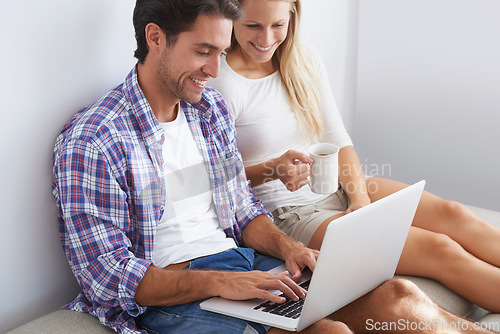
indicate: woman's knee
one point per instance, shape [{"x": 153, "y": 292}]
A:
[
  {"x": 340, "y": 328},
  {"x": 329, "y": 326},
  {"x": 454, "y": 211},
  {"x": 398, "y": 288},
  {"x": 443, "y": 248},
  {"x": 395, "y": 295}
]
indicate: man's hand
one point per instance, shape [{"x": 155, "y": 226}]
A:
[
  {"x": 176, "y": 287},
  {"x": 262, "y": 235},
  {"x": 255, "y": 284},
  {"x": 299, "y": 257}
]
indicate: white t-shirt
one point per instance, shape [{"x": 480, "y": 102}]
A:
[
  {"x": 267, "y": 127},
  {"x": 189, "y": 227}
]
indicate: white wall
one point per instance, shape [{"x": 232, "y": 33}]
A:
[
  {"x": 331, "y": 26},
  {"x": 429, "y": 95},
  {"x": 56, "y": 57}
]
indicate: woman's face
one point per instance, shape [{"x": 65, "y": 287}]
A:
[{"x": 263, "y": 28}]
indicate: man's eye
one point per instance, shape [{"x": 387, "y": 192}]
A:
[
  {"x": 252, "y": 25},
  {"x": 203, "y": 53}
]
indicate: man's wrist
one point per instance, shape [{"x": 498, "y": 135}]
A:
[
  {"x": 288, "y": 246},
  {"x": 212, "y": 282}
]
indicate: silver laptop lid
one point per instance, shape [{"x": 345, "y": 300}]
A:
[{"x": 360, "y": 251}]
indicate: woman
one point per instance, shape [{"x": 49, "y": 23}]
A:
[{"x": 282, "y": 103}]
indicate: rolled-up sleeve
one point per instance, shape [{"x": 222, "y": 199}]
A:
[{"x": 94, "y": 223}]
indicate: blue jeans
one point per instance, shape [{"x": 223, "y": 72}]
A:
[{"x": 190, "y": 318}]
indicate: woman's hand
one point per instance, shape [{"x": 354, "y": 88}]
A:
[
  {"x": 358, "y": 204},
  {"x": 292, "y": 168}
]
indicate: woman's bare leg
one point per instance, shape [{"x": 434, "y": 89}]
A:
[
  {"x": 437, "y": 256},
  {"x": 324, "y": 326},
  {"x": 317, "y": 238},
  {"x": 435, "y": 249},
  {"x": 447, "y": 217},
  {"x": 397, "y": 303},
  {"x": 402, "y": 305}
]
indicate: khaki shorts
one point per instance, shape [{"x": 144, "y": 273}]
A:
[{"x": 300, "y": 222}]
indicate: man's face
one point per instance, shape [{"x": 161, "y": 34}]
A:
[{"x": 186, "y": 65}]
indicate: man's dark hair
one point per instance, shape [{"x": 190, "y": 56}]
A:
[{"x": 176, "y": 16}]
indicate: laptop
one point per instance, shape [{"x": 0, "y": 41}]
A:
[{"x": 360, "y": 251}]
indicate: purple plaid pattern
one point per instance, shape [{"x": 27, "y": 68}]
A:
[{"x": 110, "y": 193}]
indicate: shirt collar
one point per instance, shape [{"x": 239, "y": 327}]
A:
[
  {"x": 148, "y": 124},
  {"x": 204, "y": 108}
]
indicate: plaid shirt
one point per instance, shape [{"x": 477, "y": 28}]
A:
[{"x": 109, "y": 188}]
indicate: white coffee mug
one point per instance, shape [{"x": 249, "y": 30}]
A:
[{"x": 324, "y": 178}]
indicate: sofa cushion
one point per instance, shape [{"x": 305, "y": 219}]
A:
[
  {"x": 63, "y": 321},
  {"x": 491, "y": 321}
]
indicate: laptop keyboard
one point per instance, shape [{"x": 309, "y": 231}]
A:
[{"x": 289, "y": 309}]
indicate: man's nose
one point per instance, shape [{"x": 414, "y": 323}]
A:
[{"x": 212, "y": 67}]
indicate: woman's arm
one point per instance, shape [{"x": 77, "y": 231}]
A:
[
  {"x": 352, "y": 178},
  {"x": 292, "y": 168}
]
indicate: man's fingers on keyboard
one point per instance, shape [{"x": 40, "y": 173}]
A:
[
  {"x": 283, "y": 283},
  {"x": 298, "y": 290},
  {"x": 273, "y": 298},
  {"x": 291, "y": 289}
]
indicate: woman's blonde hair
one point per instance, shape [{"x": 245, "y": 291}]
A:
[{"x": 299, "y": 76}]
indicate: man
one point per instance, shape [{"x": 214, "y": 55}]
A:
[{"x": 148, "y": 181}]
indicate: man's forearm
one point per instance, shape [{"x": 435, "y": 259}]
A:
[
  {"x": 262, "y": 235},
  {"x": 175, "y": 287},
  {"x": 161, "y": 287}
]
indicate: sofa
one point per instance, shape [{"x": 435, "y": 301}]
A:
[{"x": 64, "y": 321}]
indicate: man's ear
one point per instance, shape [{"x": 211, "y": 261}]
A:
[{"x": 155, "y": 37}]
